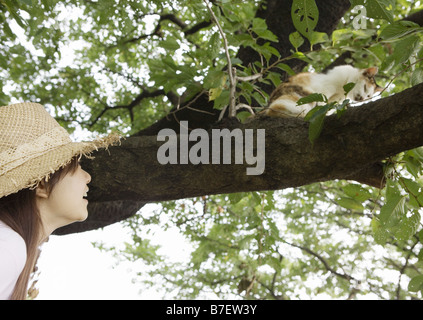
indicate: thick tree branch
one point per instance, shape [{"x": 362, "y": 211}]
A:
[{"x": 361, "y": 137}]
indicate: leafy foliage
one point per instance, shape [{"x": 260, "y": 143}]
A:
[
  {"x": 107, "y": 64},
  {"x": 305, "y": 15},
  {"x": 308, "y": 242}
]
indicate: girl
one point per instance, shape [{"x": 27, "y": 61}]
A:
[{"x": 42, "y": 188}]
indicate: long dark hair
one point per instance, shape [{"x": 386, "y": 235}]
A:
[{"x": 19, "y": 211}]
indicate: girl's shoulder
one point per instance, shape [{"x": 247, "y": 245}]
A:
[
  {"x": 11, "y": 241},
  {"x": 8, "y": 235},
  {"x": 12, "y": 259}
]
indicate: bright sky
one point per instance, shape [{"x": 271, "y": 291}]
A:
[{"x": 71, "y": 268}]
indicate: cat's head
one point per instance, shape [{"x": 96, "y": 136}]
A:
[{"x": 365, "y": 86}]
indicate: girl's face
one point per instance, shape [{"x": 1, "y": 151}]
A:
[{"x": 66, "y": 203}]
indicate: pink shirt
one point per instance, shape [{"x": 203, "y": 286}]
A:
[{"x": 12, "y": 260}]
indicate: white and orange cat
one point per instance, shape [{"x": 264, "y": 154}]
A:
[{"x": 283, "y": 100}]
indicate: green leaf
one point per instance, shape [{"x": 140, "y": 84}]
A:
[
  {"x": 305, "y": 16},
  {"x": 260, "y": 99},
  {"x": 380, "y": 234},
  {"x": 318, "y": 37},
  {"x": 259, "y": 24},
  {"x": 215, "y": 93},
  {"x": 261, "y": 29},
  {"x": 13, "y": 9},
  {"x": 222, "y": 100},
  {"x": 416, "y": 284},
  {"x": 236, "y": 197},
  {"x": 413, "y": 188},
  {"x": 214, "y": 79},
  {"x": 417, "y": 153},
  {"x": 378, "y": 9},
  {"x": 301, "y": 56},
  {"x": 243, "y": 115},
  {"x": 392, "y": 211},
  {"x": 296, "y": 40},
  {"x": 417, "y": 77},
  {"x": 398, "y": 29},
  {"x": 169, "y": 44},
  {"x": 10, "y": 34},
  {"x": 214, "y": 46},
  {"x": 286, "y": 68},
  {"x": 27, "y": 2},
  {"x": 404, "y": 49},
  {"x": 348, "y": 87},
  {"x": 349, "y": 203},
  {"x": 357, "y": 192},
  {"x": 316, "y": 117},
  {"x": 266, "y": 50},
  {"x": 363, "y": 33},
  {"x": 314, "y": 97},
  {"x": 413, "y": 161},
  {"x": 341, "y": 108},
  {"x": 275, "y": 78},
  {"x": 408, "y": 226},
  {"x": 341, "y": 34},
  {"x": 392, "y": 189},
  {"x": 169, "y": 62}
]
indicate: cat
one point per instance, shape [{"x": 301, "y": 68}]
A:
[{"x": 283, "y": 100}]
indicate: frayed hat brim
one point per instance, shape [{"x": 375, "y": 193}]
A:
[{"x": 30, "y": 173}]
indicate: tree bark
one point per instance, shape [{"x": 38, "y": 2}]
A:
[
  {"x": 127, "y": 176},
  {"x": 361, "y": 137}
]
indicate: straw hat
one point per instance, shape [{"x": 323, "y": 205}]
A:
[{"x": 33, "y": 146}]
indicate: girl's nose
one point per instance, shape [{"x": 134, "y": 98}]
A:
[{"x": 88, "y": 177}]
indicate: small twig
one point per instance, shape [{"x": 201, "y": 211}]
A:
[
  {"x": 232, "y": 77},
  {"x": 250, "y": 78},
  {"x": 402, "y": 270},
  {"x": 325, "y": 263},
  {"x": 398, "y": 74},
  {"x": 238, "y": 106},
  {"x": 188, "y": 105},
  {"x": 222, "y": 113}
]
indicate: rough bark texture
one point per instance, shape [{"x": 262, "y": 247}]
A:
[{"x": 348, "y": 148}]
